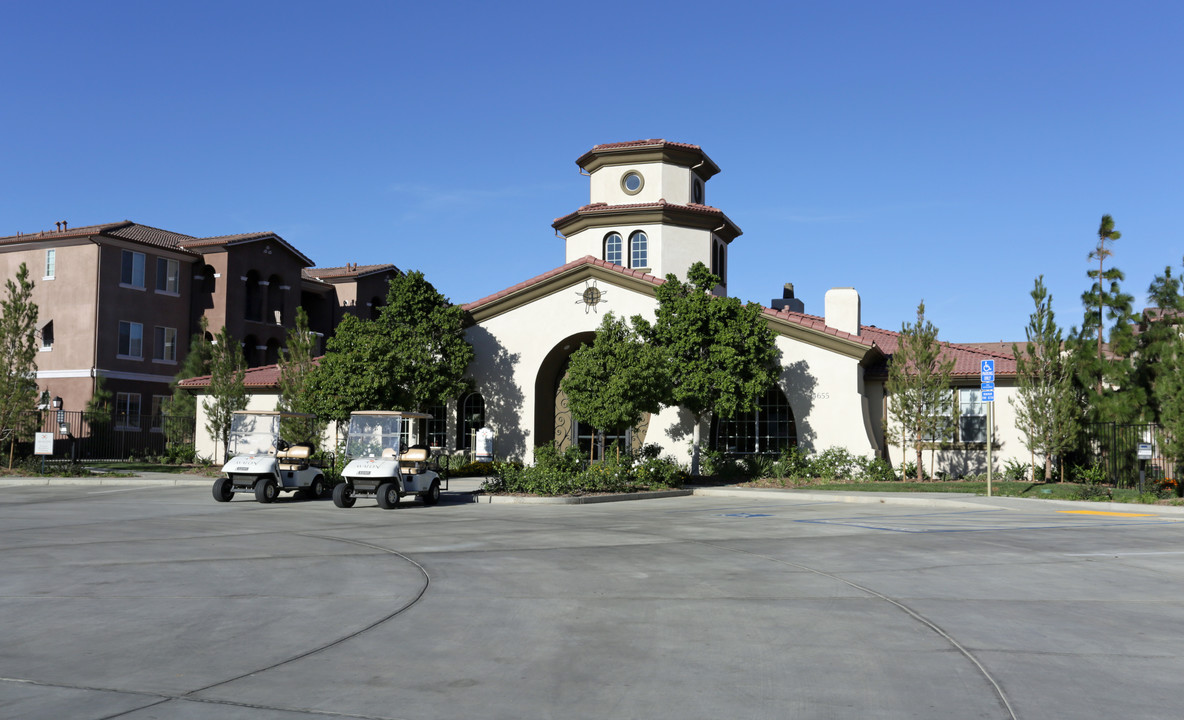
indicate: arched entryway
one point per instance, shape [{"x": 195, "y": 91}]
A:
[{"x": 553, "y": 420}]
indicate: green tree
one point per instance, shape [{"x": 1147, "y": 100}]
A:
[
  {"x": 613, "y": 382},
  {"x": 296, "y": 366},
  {"x": 227, "y": 390},
  {"x": 1105, "y": 361},
  {"x": 1161, "y": 358},
  {"x": 918, "y": 387},
  {"x": 18, "y": 359},
  {"x": 413, "y": 355},
  {"x": 180, "y": 410},
  {"x": 1047, "y": 407},
  {"x": 723, "y": 350}
]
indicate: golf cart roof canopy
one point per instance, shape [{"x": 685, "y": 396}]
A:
[
  {"x": 279, "y": 413},
  {"x": 394, "y": 413}
]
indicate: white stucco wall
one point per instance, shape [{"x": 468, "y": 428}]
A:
[
  {"x": 671, "y": 249},
  {"x": 668, "y": 182},
  {"x": 824, "y": 389},
  {"x": 961, "y": 459}
]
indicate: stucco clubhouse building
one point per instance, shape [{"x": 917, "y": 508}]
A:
[{"x": 648, "y": 215}]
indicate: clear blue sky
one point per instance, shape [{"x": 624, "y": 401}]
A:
[{"x": 944, "y": 151}]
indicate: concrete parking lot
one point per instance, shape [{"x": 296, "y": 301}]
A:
[{"x": 154, "y": 601}]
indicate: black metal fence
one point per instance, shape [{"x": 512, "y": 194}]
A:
[
  {"x": 1114, "y": 447},
  {"x": 118, "y": 436}
]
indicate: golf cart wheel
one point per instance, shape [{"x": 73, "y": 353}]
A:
[
  {"x": 388, "y": 495},
  {"x": 431, "y": 496},
  {"x": 343, "y": 496},
  {"x": 266, "y": 491},
  {"x": 315, "y": 489},
  {"x": 222, "y": 490}
]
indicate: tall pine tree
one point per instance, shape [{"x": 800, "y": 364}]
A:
[
  {"x": 1162, "y": 359},
  {"x": 18, "y": 355},
  {"x": 920, "y": 400},
  {"x": 1047, "y": 408}
]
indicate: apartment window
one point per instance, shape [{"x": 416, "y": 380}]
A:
[
  {"x": 612, "y": 248},
  {"x": 51, "y": 263},
  {"x": 972, "y": 416},
  {"x": 47, "y": 336},
  {"x": 437, "y": 426},
  {"x": 132, "y": 270},
  {"x": 168, "y": 275},
  {"x": 127, "y": 411},
  {"x": 638, "y": 250},
  {"x": 165, "y": 346},
  {"x": 131, "y": 340},
  {"x": 157, "y": 415}
]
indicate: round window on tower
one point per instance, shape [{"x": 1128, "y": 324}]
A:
[
  {"x": 632, "y": 182},
  {"x": 697, "y": 191}
]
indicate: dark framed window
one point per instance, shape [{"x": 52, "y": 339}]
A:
[
  {"x": 436, "y": 429},
  {"x": 768, "y": 429},
  {"x": 168, "y": 275},
  {"x": 131, "y": 340},
  {"x": 131, "y": 272},
  {"x": 472, "y": 419}
]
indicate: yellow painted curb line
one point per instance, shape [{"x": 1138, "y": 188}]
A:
[{"x": 1103, "y": 512}]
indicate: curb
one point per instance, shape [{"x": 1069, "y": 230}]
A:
[
  {"x": 100, "y": 481},
  {"x": 578, "y": 500},
  {"x": 942, "y": 500}
]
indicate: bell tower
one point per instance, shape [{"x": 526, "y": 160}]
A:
[{"x": 648, "y": 210}]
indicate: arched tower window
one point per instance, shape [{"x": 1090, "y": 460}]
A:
[
  {"x": 272, "y": 355},
  {"x": 612, "y": 249},
  {"x": 719, "y": 261},
  {"x": 767, "y": 430},
  {"x": 375, "y": 307},
  {"x": 639, "y": 250},
  {"x": 250, "y": 351}
]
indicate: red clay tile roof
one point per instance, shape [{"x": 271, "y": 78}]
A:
[
  {"x": 601, "y": 208},
  {"x": 262, "y": 377},
  {"x": 586, "y": 260},
  {"x": 816, "y": 323},
  {"x": 126, "y": 230},
  {"x": 225, "y": 240},
  {"x": 679, "y": 153},
  {"x": 967, "y": 358},
  {"x": 347, "y": 271},
  {"x": 658, "y": 142}
]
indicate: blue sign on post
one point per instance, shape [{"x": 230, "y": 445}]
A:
[{"x": 987, "y": 380}]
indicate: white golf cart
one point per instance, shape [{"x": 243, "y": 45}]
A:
[
  {"x": 264, "y": 462},
  {"x": 380, "y": 466}
]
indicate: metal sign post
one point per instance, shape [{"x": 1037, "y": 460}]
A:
[{"x": 987, "y": 390}]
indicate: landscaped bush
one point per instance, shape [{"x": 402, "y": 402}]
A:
[
  {"x": 833, "y": 464},
  {"x": 1016, "y": 470},
  {"x": 874, "y": 470},
  {"x": 568, "y": 473}
]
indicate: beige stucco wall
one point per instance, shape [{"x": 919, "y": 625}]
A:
[
  {"x": 960, "y": 459},
  {"x": 660, "y": 182}
]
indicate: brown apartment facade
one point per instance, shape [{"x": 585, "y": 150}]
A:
[{"x": 120, "y": 302}]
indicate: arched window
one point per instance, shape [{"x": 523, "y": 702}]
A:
[
  {"x": 275, "y": 300},
  {"x": 472, "y": 419},
  {"x": 639, "y": 250},
  {"x": 254, "y": 297},
  {"x": 612, "y": 248},
  {"x": 250, "y": 353},
  {"x": 719, "y": 265},
  {"x": 375, "y": 307},
  {"x": 767, "y": 430},
  {"x": 208, "y": 280}
]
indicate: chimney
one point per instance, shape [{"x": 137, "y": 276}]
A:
[
  {"x": 787, "y": 301},
  {"x": 63, "y": 224},
  {"x": 842, "y": 309},
  {"x": 58, "y": 225}
]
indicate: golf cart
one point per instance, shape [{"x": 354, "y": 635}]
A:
[
  {"x": 379, "y": 465},
  {"x": 264, "y": 462}
]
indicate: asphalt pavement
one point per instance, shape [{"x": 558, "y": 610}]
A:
[{"x": 146, "y": 599}]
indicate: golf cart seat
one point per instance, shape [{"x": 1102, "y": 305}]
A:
[
  {"x": 388, "y": 452},
  {"x": 294, "y": 457},
  {"x": 415, "y": 460}
]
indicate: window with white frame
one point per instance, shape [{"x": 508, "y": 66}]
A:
[
  {"x": 612, "y": 248},
  {"x": 131, "y": 340},
  {"x": 972, "y": 416},
  {"x": 168, "y": 275},
  {"x": 157, "y": 416},
  {"x": 131, "y": 272},
  {"x": 639, "y": 251},
  {"x": 165, "y": 345},
  {"x": 127, "y": 410},
  {"x": 51, "y": 263}
]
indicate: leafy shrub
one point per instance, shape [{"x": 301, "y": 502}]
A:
[
  {"x": 566, "y": 473},
  {"x": 1090, "y": 474},
  {"x": 759, "y": 466},
  {"x": 178, "y": 454},
  {"x": 1094, "y": 492},
  {"x": 793, "y": 463},
  {"x": 1016, "y": 470},
  {"x": 908, "y": 471},
  {"x": 874, "y": 470},
  {"x": 834, "y": 463}
]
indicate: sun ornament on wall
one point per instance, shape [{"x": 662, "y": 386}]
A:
[{"x": 591, "y": 296}]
